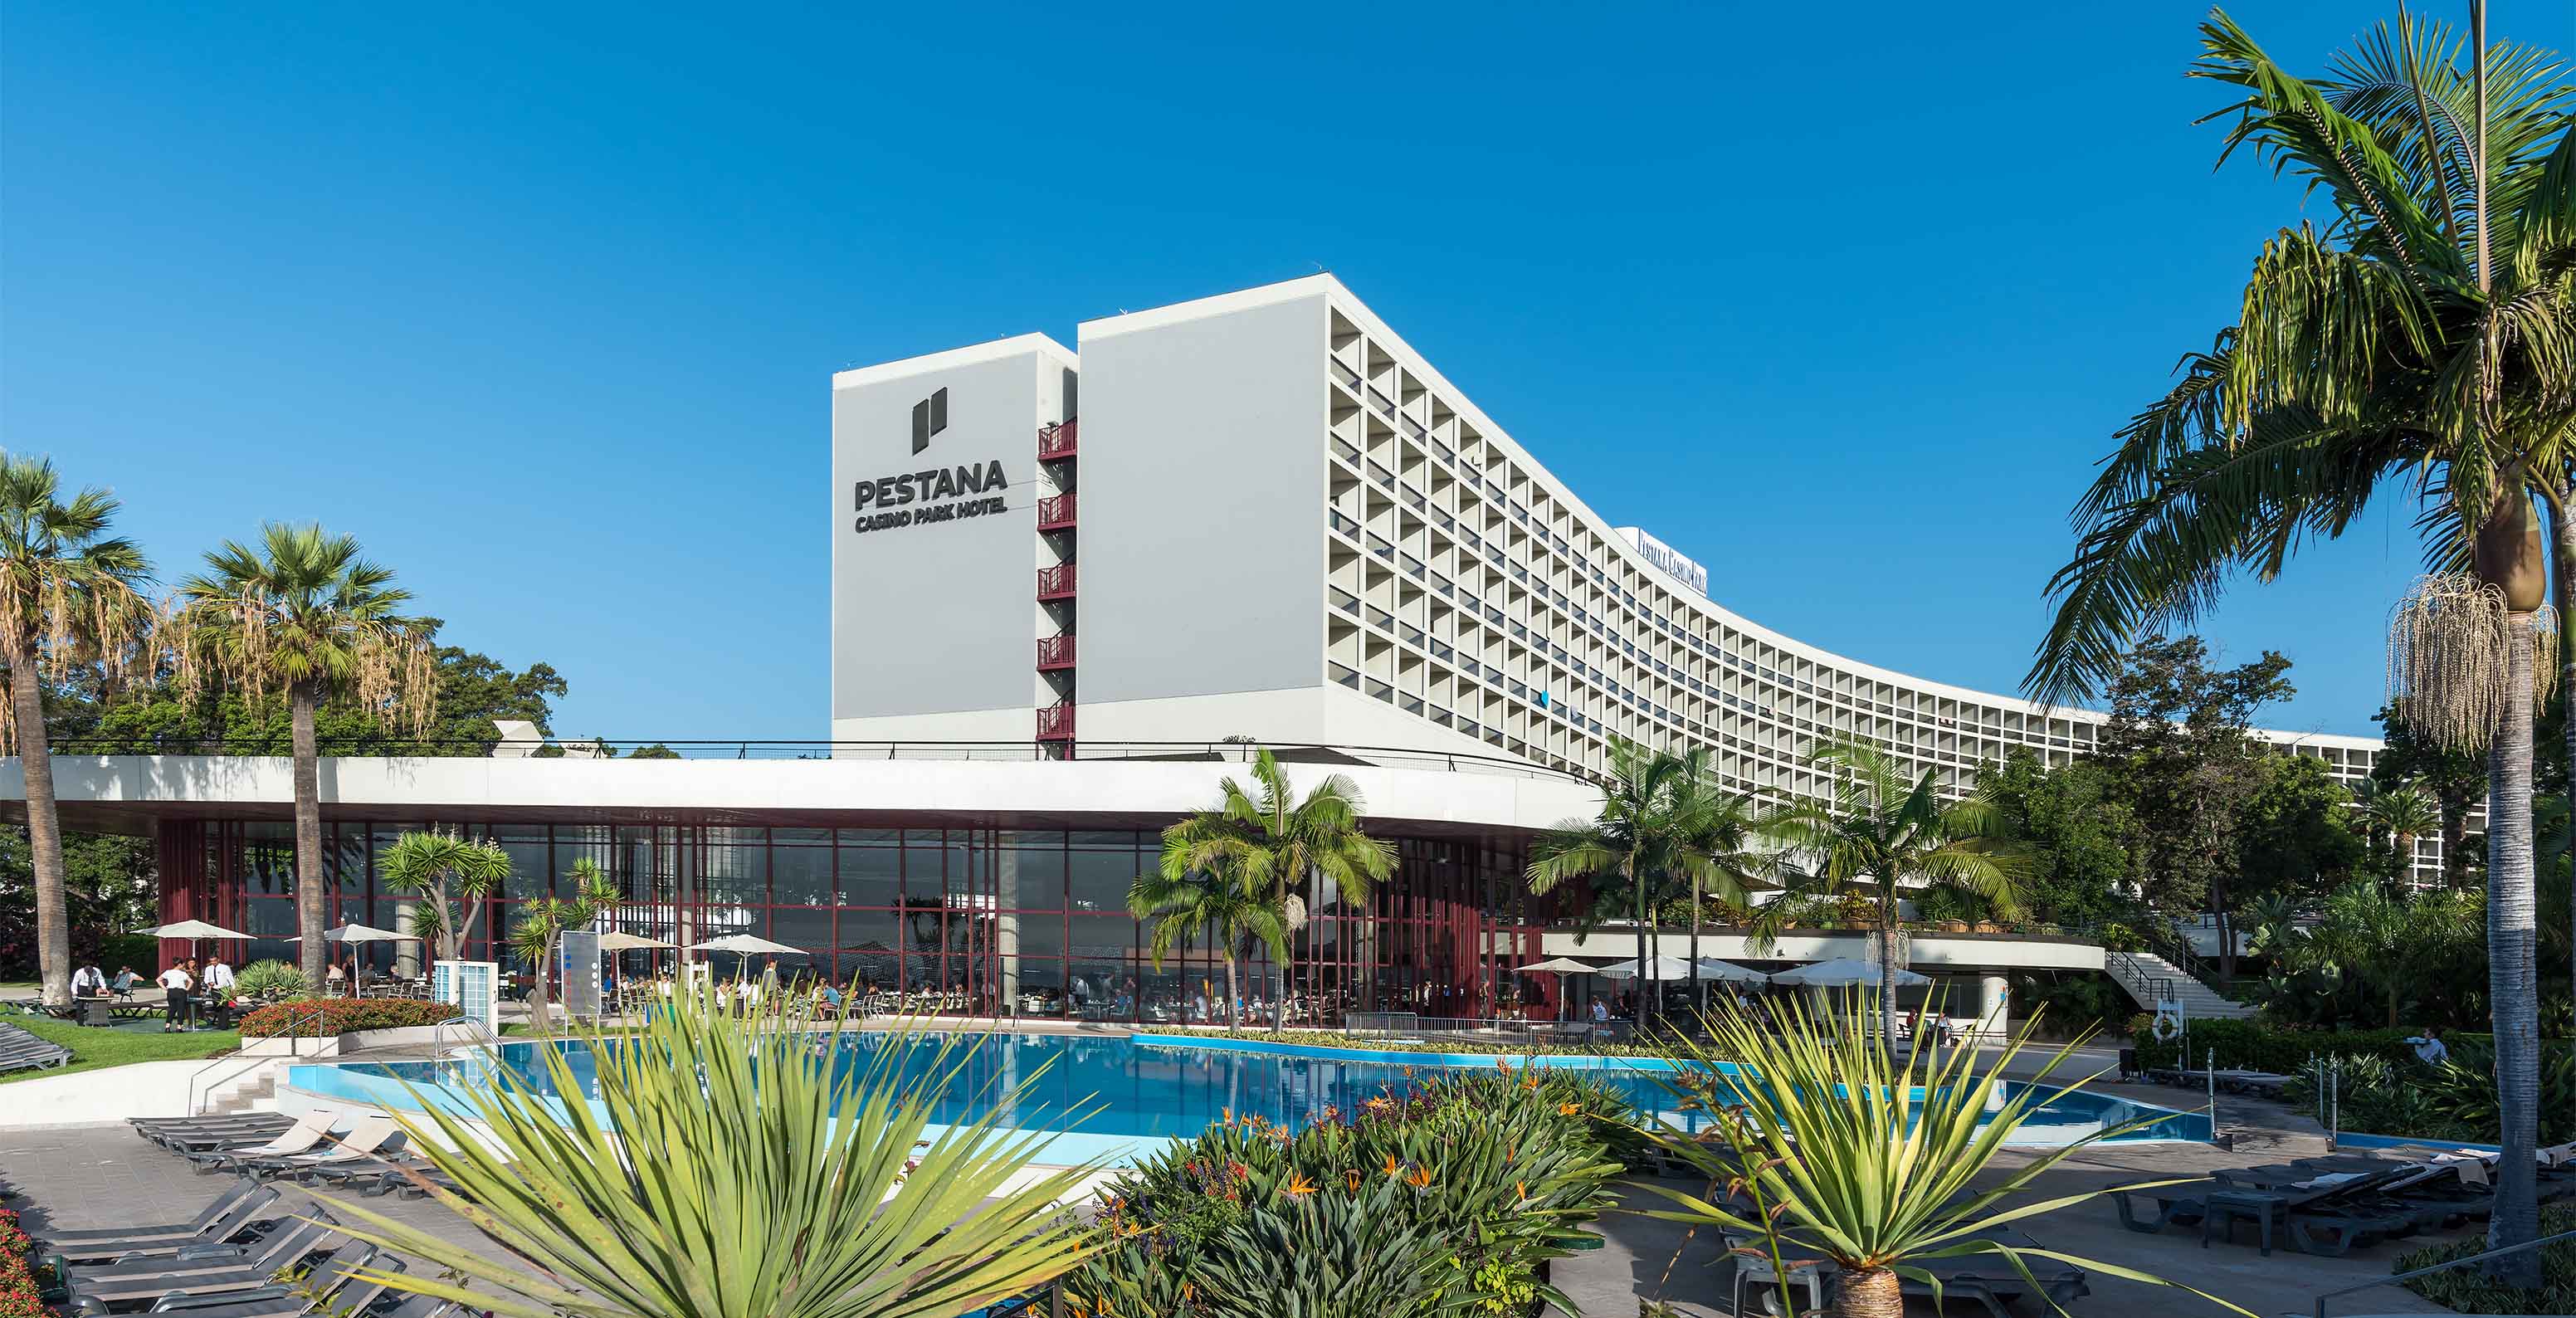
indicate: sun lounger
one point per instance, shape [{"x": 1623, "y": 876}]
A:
[
  {"x": 206, "y": 1132},
  {"x": 331, "y": 1269},
  {"x": 2174, "y": 1208},
  {"x": 114, "y": 1285},
  {"x": 301, "y": 1137},
  {"x": 227, "y": 1217},
  {"x": 367, "y": 1136},
  {"x": 326, "y": 1291}
]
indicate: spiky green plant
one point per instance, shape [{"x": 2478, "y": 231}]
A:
[
  {"x": 1828, "y": 1145},
  {"x": 439, "y": 866},
  {"x": 725, "y": 1167}
]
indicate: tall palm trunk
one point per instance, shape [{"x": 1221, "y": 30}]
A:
[
  {"x": 44, "y": 826},
  {"x": 1887, "y": 974},
  {"x": 1228, "y": 1006},
  {"x": 311, "y": 907},
  {"x": 1698, "y": 990},
  {"x": 539, "y": 1010},
  {"x": 2512, "y": 983},
  {"x": 1645, "y": 977},
  {"x": 2562, "y": 519}
]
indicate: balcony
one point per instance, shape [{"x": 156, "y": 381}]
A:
[
  {"x": 1055, "y": 652},
  {"x": 1056, "y": 441},
  {"x": 1055, "y": 583},
  {"x": 1055, "y": 722},
  {"x": 1055, "y": 512}
]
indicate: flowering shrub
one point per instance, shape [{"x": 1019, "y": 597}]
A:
[
  {"x": 307, "y": 1018},
  {"x": 1455, "y": 1190},
  {"x": 20, "y": 1294}
]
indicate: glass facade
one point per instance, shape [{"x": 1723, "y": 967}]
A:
[{"x": 980, "y": 920}]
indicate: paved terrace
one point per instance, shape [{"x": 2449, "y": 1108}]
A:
[{"x": 82, "y": 1176}]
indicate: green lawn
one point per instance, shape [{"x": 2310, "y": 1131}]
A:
[{"x": 94, "y": 1048}]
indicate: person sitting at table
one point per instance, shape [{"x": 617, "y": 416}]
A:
[
  {"x": 827, "y": 994},
  {"x": 336, "y": 978},
  {"x": 89, "y": 981},
  {"x": 175, "y": 984},
  {"x": 126, "y": 979}
]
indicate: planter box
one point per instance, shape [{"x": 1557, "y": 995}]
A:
[{"x": 332, "y": 1045}]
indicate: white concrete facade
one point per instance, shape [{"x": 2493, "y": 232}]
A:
[{"x": 1294, "y": 529}]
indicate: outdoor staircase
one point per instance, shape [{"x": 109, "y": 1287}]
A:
[
  {"x": 250, "y": 1090},
  {"x": 2150, "y": 979}
]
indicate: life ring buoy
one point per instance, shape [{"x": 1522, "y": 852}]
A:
[{"x": 2167, "y": 1028}]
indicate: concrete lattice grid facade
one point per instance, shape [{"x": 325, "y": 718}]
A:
[{"x": 1292, "y": 528}]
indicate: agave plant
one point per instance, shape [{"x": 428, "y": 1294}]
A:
[
  {"x": 1825, "y": 1144},
  {"x": 271, "y": 979},
  {"x": 726, "y": 1167}
]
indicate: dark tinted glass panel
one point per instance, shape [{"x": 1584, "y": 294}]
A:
[
  {"x": 800, "y": 866},
  {"x": 1100, "y": 879},
  {"x": 871, "y": 876},
  {"x": 803, "y": 927}
]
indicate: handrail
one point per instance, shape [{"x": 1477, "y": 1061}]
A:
[
  {"x": 2479, "y": 1257},
  {"x": 438, "y": 1035},
  {"x": 294, "y": 1048}
]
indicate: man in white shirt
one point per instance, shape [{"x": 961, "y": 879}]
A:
[
  {"x": 175, "y": 983},
  {"x": 219, "y": 978},
  {"x": 89, "y": 982}
]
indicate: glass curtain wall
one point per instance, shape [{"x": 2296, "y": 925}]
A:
[{"x": 956, "y": 920}]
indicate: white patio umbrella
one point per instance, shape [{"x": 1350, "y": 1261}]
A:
[
  {"x": 1668, "y": 969},
  {"x": 192, "y": 930},
  {"x": 1564, "y": 965},
  {"x": 746, "y": 944},
  {"x": 631, "y": 943},
  {"x": 1840, "y": 972},
  {"x": 1712, "y": 968}
]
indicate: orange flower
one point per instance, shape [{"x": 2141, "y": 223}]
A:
[
  {"x": 1392, "y": 1167},
  {"x": 1420, "y": 1179},
  {"x": 1529, "y": 1082},
  {"x": 1502, "y": 1066},
  {"x": 1351, "y": 1180},
  {"x": 1298, "y": 1184},
  {"x": 1521, "y": 1188},
  {"x": 1568, "y": 1109}
]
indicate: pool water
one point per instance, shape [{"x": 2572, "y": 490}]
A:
[{"x": 1142, "y": 1091}]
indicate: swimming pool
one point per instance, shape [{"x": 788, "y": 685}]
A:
[{"x": 1151, "y": 1089}]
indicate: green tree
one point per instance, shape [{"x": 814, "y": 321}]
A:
[
  {"x": 222, "y": 718},
  {"x": 1194, "y": 892},
  {"x": 71, "y": 597},
  {"x": 656, "y": 751},
  {"x": 2360, "y": 931},
  {"x": 2178, "y": 743},
  {"x": 2456, "y": 780},
  {"x": 1653, "y": 824},
  {"x": 2292, "y": 833},
  {"x": 305, "y": 615},
  {"x": 2401, "y": 814},
  {"x": 1886, "y": 835},
  {"x": 541, "y": 926},
  {"x": 1277, "y": 844},
  {"x": 2422, "y": 340},
  {"x": 2080, "y": 835},
  {"x": 440, "y": 867}
]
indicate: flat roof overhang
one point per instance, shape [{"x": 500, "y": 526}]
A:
[{"x": 130, "y": 794}]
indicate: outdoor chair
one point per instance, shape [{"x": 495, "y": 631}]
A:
[
  {"x": 366, "y": 1136},
  {"x": 331, "y": 1289},
  {"x": 201, "y": 1132},
  {"x": 307, "y": 1131},
  {"x": 2176, "y": 1209},
  {"x": 97, "y": 1289},
  {"x": 226, "y": 1216}
]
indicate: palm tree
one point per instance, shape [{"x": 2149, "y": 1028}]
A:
[
  {"x": 2361, "y": 930},
  {"x": 776, "y": 1182},
  {"x": 1730, "y": 830},
  {"x": 1655, "y": 824},
  {"x": 1191, "y": 893},
  {"x": 1888, "y": 834},
  {"x": 2424, "y": 338},
  {"x": 541, "y": 926},
  {"x": 1277, "y": 844},
  {"x": 2403, "y": 814},
  {"x": 443, "y": 866},
  {"x": 305, "y": 614},
  {"x": 70, "y": 595}
]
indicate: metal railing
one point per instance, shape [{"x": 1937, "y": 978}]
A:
[
  {"x": 2403, "y": 1277},
  {"x": 438, "y": 1035},
  {"x": 1396, "y": 757},
  {"x": 197, "y": 1097}
]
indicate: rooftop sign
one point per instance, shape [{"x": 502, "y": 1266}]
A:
[{"x": 1663, "y": 556}]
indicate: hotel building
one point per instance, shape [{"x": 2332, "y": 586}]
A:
[{"x": 1070, "y": 588}]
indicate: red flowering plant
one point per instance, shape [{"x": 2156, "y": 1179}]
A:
[
  {"x": 307, "y": 1018},
  {"x": 22, "y": 1293},
  {"x": 1485, "y": 1175}
]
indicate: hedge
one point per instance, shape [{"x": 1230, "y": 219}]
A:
[
  {"x": 2469, "y": 1290},
  {"x": 307, "y": 1018}
]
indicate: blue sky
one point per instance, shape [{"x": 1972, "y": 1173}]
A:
[{"x": 542, "y": 305}]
